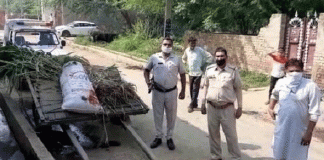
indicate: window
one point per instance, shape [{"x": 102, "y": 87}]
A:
[{"x": 36, "y": 38}]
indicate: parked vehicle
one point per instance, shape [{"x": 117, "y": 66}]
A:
[
  {"x": 76, "y": 28},
  {"x": 33, "y": 34}
]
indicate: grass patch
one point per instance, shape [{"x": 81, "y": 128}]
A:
[
  {"x": 135, "y": 46},
  {"x": 252, "y": 79},
  {"x": 131, "y": 45},
  {"x": 83, "y": 40}
]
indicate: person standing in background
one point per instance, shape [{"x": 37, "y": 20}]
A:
[
  {"x": 51, "y": 20},
  {"x": 278, "y": 66},
  {"x": 196, "y": 58}
]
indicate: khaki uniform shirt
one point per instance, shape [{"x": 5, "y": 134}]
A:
[
  {"x": 165, "y": 70},
  {"x": 224, "y": 85}
]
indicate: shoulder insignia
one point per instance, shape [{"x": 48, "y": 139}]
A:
[
  {"x": 232, "y": 67},
  {"x": 211, "y": 66}
]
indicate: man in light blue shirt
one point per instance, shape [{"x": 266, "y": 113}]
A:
[{"x": 196, "y": 58}]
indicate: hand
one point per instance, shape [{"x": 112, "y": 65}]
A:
[
  {"x": 306, "y": 139},
  {"x": 182, "y": 94},
  {"x": 272, "y": 114},
  {"x": 203, "y": 108},
  {"x": 238, "y": 113}
]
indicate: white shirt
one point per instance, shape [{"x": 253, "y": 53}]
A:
[
  {"x": 165, "y": 70},
  {"x": 307, "y": 97},
  {"x": 278, "y": 70},
  {"x": 296, "y": 109},
  {"x": 196, "y": 58}
]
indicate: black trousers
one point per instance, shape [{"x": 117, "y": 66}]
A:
[
  {"x": 273, "y": 81},
  {"x": 194, "y": 82}
]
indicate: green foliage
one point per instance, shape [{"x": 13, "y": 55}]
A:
[
  {"x": 243, "y": 16},
  {"x": 138, "y": 41},
  {"x": 252, "y": 79},
  {"x": 83, "y": 40},
  {"x": 145, "y": 6},
  {"x": 19, "y": 6}
]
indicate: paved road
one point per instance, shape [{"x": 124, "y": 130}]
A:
[{"x": 255, "y": 131}]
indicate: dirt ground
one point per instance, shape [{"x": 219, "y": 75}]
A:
[{"x": 255, "y": 129}]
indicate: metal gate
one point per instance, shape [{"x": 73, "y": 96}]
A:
[{"x": 301, "y": 40}]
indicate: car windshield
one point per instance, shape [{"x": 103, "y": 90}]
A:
[{"x": 36, "y": 38}]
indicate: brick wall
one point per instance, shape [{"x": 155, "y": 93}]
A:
[
  {"x": 247, "y": 51},
  {"x": 318, "y": 66}
]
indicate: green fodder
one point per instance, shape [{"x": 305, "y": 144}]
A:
[
  {"x": 110, "y": 89},
  {"x": 252, "y": 79},
  {"x": 16, "y": 63}
]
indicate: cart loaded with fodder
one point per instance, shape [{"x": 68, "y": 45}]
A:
[{"x": 67, "y": 89}]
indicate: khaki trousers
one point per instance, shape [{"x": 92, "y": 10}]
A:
[
  {"x": 226, "y": 119},
  {"x": 164, "y": 102}
]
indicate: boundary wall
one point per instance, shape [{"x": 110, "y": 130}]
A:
[{"x": 247, "y": 51}]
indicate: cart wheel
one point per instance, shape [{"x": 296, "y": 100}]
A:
[{"x": 115, "y": 120}]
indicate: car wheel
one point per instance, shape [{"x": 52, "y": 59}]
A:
[{"x": 66, "y": 33}]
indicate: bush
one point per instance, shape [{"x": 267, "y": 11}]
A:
[{"x": 83, "y": 40}]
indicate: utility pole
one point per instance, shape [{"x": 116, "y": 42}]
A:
[
  {"x": 21, "y": 9},
  {"x": 167, "y": 18},
  {"x": 62, "y": 7},
  {"x": 42, "y": 10},
  {"x": 7, "y": 10}
]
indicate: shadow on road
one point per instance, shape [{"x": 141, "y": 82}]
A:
[{"x": 191, "y": 142}]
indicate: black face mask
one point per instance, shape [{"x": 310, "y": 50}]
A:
[{"x": 220, "y": 62}]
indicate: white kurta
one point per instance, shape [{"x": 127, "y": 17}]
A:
[{"x": 296, "y": 109}]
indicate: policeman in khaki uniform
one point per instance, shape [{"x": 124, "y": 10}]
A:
[
  {"x": 222, "y": 87},
  {"x": 166, "y": 68}
]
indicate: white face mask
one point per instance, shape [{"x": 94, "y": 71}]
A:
[
  {"x": 294, "y": 80},
  {"x": 166, "y": 49},
  {"x": 294, "y": 76}
]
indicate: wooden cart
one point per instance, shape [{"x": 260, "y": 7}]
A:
[{"x": 47, "y": 97}]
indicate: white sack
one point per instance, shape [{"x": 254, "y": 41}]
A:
[{"x": 77, "y": 90}]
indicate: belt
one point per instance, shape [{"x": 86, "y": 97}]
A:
[
  {"x": 219, "y": 107},
  {"x": 165, "y": 90}
]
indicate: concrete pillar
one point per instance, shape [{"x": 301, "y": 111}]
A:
[
  {"x": 318, "y": 63},
  {"x": 274, "y": 32}
]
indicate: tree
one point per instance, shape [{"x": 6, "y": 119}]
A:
[{"x": 29, "y": 7}]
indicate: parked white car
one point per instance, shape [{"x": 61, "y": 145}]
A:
[{"x": 76, "y": 28}]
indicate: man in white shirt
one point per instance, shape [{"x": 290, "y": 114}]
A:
[
  {"x": 298, "y": 101},
  {"x": 196, "y": 58}
]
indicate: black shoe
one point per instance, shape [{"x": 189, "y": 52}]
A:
[
  {"x": 156, "y": 142},
  {"x": 170, "y": 144}
]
